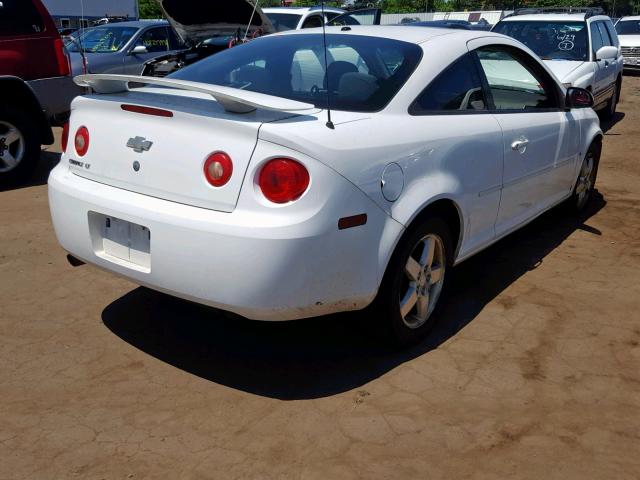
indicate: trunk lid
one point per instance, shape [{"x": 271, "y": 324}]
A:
[{"x": 172, "y": 166}]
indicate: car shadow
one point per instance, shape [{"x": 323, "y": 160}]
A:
[
  {"x": 607, "y": 125},
  {"x": 48, "y": 161},
  {"x": 328, "y": 355}
]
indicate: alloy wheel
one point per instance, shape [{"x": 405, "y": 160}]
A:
[
  {"x": 12, "y": 147},
  {"x": 584, "y": 187},
  {"x": 422, "y": 281}
]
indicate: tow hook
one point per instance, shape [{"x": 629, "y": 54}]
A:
[{"x": 74, "y": 262}]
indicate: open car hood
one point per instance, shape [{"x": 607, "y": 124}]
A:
[{"x": 195, "y": 21}]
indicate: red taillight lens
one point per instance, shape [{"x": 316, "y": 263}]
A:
[
  {"x": 62, "y": 58},
  {"x": 283, "y": 180},
  {"x": 82, "y": 141},
  {"x": 218, "y": 168},
  {"x": 64, "y": 139}
]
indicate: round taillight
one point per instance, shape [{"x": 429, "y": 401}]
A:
[
  {"x": 64, "y": 139},
  {"x": 82, "y": 141},
  {"x": 283, "y": 180},
  {"x": 218, "y": 168}
]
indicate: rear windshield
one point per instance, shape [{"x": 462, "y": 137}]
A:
[
  {"x": 364, "y": 73},
  {"x": 550, "y": 40},
  {"x": 284, "y": 21},
  {"x": 628, "y": 27},
  {"x": 19, "y": 17},
  {"x": 105, "y": 39}
]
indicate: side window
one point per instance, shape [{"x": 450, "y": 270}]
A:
[
  {"x": 312, "y": 22},
  {"x": 174, "y": 41},
  {"x": 612, "y": 33},
  {"x": 458, "y": 88},
  {"x": 155, "y": 39},
  {"x": 596, "y": 38},
  {"x": 604, "y": 34},
  {"x": 512, "y": 81}
]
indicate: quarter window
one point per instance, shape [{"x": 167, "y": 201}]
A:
[
  {"x": 458, "y": 88},
  {"x": 312, "y": 22},
  {"x": 512, "y": 81}
]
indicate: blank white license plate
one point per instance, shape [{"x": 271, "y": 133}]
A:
[{"x": 125, "y": 240}]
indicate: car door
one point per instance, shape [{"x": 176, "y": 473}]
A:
[
  {"x": 462, "y": 140},
  {"x": 155, "y": 41},
  {"x": 540, "y": 140},
  {"x": 605, "y": 73}
]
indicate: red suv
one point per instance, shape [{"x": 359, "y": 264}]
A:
[{"x": 36, "y": 88}]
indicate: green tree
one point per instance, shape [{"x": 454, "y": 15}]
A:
[{"x": 149, "y": 9}]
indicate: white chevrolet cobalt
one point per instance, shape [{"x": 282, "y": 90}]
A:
[{"x": 227, "y": 184}]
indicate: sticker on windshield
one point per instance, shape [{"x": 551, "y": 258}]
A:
[{"x": 566, "y": 41}]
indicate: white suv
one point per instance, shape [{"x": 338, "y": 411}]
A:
[
  {"x": 296, "y": 18},
  {"x": 628, "y": 28},
  {"x": 581, "y": 49}
]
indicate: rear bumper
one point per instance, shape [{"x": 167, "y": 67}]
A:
[
  {"x": 224, "y": 260},
  {"x": 55, "y": 96}
]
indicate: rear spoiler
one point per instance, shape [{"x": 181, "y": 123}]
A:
[{"x": 232, "y": 99}]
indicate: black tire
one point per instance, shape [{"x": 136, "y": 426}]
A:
[
  {"x": 586, "y": 180},
  {"x": 12, "y": 115},
  {"x": 609, "y": 112},
  {"x": 387, "y": 306}
]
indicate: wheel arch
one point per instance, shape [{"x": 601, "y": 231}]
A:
[{"x": 15, "y": 91}]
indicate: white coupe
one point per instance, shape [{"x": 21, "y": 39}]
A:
[{"x": 226, "y": 184}]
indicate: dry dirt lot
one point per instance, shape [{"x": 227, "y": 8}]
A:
[{"x": 535, "y": 374}]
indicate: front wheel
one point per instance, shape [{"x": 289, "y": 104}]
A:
[
  {"x": 407, "y": 304},
  {"x": 585, "y": 184},
  {"x": 612, "y": 105}
]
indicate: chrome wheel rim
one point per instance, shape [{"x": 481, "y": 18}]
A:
[
  {"x": 585, "y": 180},
  {"x": 422, "y": 281},
  {"x": 12, "y": 147}
]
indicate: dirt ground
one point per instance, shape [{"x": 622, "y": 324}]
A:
[{"x": 535, "y": 374}]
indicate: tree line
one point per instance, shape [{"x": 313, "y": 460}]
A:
[{"x": 615, "y": 8}]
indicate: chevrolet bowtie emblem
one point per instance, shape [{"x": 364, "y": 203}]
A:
[{"x": 139, "y": 144}]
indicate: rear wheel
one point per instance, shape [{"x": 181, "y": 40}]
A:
[
  {"x": 612, "y": 104},
  {"x": 407, "y": 304},
  {"x": 19, "y": 145}
]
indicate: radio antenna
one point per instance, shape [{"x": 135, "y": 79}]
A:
[{"x": 326, "y": 69}]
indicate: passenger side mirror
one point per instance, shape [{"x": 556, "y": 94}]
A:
[
  {"x": 607, "y": 53},
  {"x": 578, "y": 98},
  {"x": 139, "y": 50}
]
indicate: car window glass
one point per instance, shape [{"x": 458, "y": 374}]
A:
[
  {"x": 105, "y": 39},
  {"x": 604, "y": 34},
  {"x": 512, "y": 84},
  {"x": 612, "y": 33},
  {"x": 596, "y": 38},
  {"x": 174, "y": 41},
  {"x": 312, "y": 22},
  {"x": 458, "y": 88},
  {"x": 549, "y": 40},
  {"x": 284, "y": 21},
  {"x": 18, "y": 17},
  {"x": 628, "y": 27},
  {"x": 292, "y": 66},
  {"x": 155, "y": 40}
]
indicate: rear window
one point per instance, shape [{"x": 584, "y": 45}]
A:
[
  {"x": 19, "y": 17},
  {"x": 628, "y": 27},
  {"x": 364, "y": 73}
]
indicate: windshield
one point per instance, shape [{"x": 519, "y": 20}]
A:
[
  {"x": 549, "y": 40},
  {"x": 364, "y": 73},
  {"x": 106, "y": 39},
  {"x": 284, "y": 21},
  {"x": 628, "y": 27}
]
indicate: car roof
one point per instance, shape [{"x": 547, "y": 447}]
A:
[
  {"x": 552, "y": 17},
  {"x": 134, "y": 23},
  {"x": 397, "y": 32},
  {"x": 631, "y": 17},
  {"x": 299, "y": 10}
]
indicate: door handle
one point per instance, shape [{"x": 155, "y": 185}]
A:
[{"x": 520, "y": 145}]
